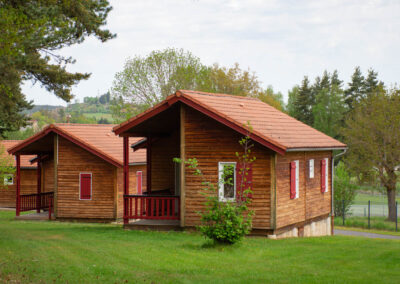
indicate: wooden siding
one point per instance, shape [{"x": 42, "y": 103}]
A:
[
  {"x": 311, "y": 202},
  {"x": 132, "y": 185},
  {"x": 73, "y": 160},
  {"x": 28, "y": 186},
  {"x": 162, "y": 166},
  {"x": 48, "y": 175},
  {"x": 211, "y": 142}
]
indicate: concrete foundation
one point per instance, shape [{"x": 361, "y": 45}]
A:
[{"x": 312, "y": 229}]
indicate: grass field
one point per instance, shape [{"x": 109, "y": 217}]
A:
[
  {"x": 377, "y": 223},
  {"x": 44, "y": 252},
  {"x": 98, "y": 115},
  {"x": 362, "y": 198}
]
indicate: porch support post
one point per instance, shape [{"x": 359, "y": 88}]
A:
[
  {"x": 126, "y": 178},
  {"x": 39, "y": 183},
  {"x": 18, "y": 189},
  {"x": 148, "y": 164}
]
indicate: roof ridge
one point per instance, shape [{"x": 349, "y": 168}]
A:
[
  {"x": 84, "y": 124},
  {"x": 219, "y": 95},
  {"x": 10, "y": 140}
]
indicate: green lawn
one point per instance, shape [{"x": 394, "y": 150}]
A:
[
  {"x": 377, "y": 223},
  {"x": 362, "y": 198},
  {"x": 44, "y": 252}
]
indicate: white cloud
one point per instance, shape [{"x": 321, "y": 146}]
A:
[{"x": 280, "y": 40}]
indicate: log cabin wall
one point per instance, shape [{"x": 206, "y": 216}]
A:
[
  {"x": 162, "y": 165},
  {"x": 132, "y": 185},
  {"x": 48, "y": 175},
  {"x": 311, "y": 202},
  {"x": 211, "y": 142},
  {"x": 73, "y": 160},
  {"x": 28, "y": 186}
]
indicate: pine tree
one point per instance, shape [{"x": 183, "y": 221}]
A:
[
  {"x": 371, "y": 82},
  {"x": 355, "y": 92},
  {"x": 304, "y": 102},
  {"x": 335, "y": 81}
]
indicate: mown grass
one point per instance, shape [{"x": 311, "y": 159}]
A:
[
  {"x": 44, "y": 252},
  {"x": 377, "y": 223},
  {"x": 362, "y": 198}
]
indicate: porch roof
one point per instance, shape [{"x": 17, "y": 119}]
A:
[
  {"x": 95, "y": 138},
  {"x": 25, "y": 160},
  {"x": 270, "y": 127}
]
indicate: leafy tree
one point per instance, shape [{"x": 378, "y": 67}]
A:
[
  {"x": 373, "y": 136},
  {"x": 273, "y": 99},
  {"x": 31, "y": 33},
  {"x": 304, "y": 102},
  {"x": 328, "y": 111},
  {"x": 356, "y": 91},
  {"x": 345, "y": 190}
]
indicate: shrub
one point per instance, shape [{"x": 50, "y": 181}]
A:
[{"x": 344, "y": 190}]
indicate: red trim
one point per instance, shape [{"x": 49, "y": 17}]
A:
[
  {"x": 126, "y": 177},
  {"x": 66, "y": 135},
  {"x": 119, "y": 130},
  {"x": 18, "y": 189}
]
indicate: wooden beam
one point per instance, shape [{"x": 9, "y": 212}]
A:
[
  {"x": 273, "y": 190},
  {"x": 148, "y": 162},
  {"x": 18, "y": 191},
  {"x": 55, "y": 158},
  {"x": 182, "y": 167},
  {"x": 126, "y": 178}
]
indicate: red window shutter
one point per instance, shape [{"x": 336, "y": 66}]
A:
[
  {"x": 86, "y": 186},
  {"x": 139, "y": 182},
  {"x": 323, "y": 175},
  {"x": 292, "y": 180},
  {"x": 244, "y": 179}
]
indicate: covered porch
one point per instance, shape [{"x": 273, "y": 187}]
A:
[{"x": 161, "y": 203}]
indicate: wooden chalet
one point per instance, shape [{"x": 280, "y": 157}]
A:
[
  {"x": 28, "y": 178},
  {"x": 291, "y": 178},
  {"x": 79, "y": 172}
]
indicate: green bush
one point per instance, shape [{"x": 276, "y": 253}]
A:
[{"x": 344, "y": 190}]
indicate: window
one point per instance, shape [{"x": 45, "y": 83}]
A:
[
  {"x": 311, "y": 165},
  {"x": 139, "y": 182},
  {"x": 227, "y": 181},
  {"x": 294, "y": 179},
  {"x": 324, "y": 174},
  {"x": 8, "y": 179},
  {"x": 85, "y": 186}
]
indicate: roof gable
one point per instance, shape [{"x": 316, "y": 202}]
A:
[
  {"x": 271, "y": 127},
  {"x": 25, "y": 160}
]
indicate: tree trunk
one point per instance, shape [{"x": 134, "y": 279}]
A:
[{"x": 391, "y": 194}]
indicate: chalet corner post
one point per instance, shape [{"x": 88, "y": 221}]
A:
[
  {"x": 55, "y": 158},
  {"x": 18, "y": 189},
  {"x": 126, "y": 178},
  {"x": 182, "y": 168},
  {"x": 148, "y": 163}
]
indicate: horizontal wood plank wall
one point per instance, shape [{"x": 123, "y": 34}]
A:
[
  {"x": 211, "y": 142},
  {"x": 28, "y": 186},
  {"x": 71, "y": 161},
  {"x": 311, "y": 202},
  {"x": 48, "y": 175},
  {"x": 162, "y": 166},
  {"x": 132, "y": 185}
]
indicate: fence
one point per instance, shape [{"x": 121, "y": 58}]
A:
[{"x": 368, "y": 214}]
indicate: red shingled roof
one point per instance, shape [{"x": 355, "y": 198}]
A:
[
  {"x": 25, "y": 160},
  {"x": 271, "y": 127},
  {"x": 96, "y": 138}
]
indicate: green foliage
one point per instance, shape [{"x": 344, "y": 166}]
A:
[
  {"x": 373, "y": 137},
  {"x": 6, "y": 165},
  {"x": 345, "y": 190},
  {"x": 273, "y": 99},
  {"x": 226, "y": 221},
  {"x": 31, "y": 33},
  {"x": 304, "y": 102}
]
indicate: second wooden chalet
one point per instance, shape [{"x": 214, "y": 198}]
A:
[
  {"x": 79, "y": 172},
  {"x": 291, "y": 178}
]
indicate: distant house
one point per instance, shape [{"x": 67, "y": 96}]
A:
[
  {"x": 28, "y": 178},
  {"x": 290, "y": 179},
  {"x": 81, "y": 171}
]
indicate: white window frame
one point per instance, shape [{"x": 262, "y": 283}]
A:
[
  {"x": 221, "y": 185},
  {"x": 141, "y": 181},
  {"x": 297, "y": 178},
  {"x": 6, "y": 176},
  {"x": 311, "y": 167},
  {"x": 91, "y": 185},
  {"x": 326, "y": 174}
]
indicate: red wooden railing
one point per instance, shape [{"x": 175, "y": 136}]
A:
[
  {"x": 159, "y": 207},
  {"x": 36, "y": 201}
]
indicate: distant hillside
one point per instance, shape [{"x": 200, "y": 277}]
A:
[{"x": 41, "y": 107}]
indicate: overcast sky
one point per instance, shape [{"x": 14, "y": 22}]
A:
[{"x": 279, "y": 40}]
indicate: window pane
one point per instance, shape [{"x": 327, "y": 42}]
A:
[{"x": 229, "y": 190}]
